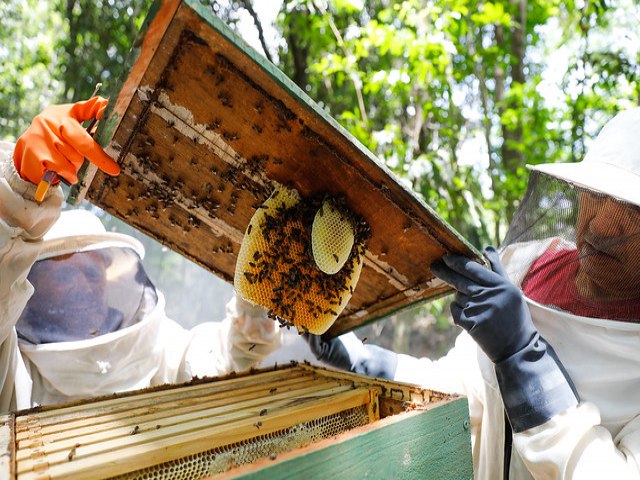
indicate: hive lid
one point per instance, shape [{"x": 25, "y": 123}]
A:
[{"x": 204, "y": 127}]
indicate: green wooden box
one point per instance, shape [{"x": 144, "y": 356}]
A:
[{"x": 297, "y": 421}]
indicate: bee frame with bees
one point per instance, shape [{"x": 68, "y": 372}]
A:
[{"x": 205, "y": 129}]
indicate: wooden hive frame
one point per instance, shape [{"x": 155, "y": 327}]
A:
[
  {"x": 210, "y": 426},
  {"x": 204, "y": 128}
]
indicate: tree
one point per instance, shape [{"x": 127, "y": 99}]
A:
[
  {"x": 421, "y": 82},
  {"x": 415, "y": 80},
  {"x": 455, "y": 96},
  {"x": 27, "y": 54}
]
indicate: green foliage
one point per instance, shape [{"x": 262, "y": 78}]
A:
[
  {"x": 97, "y": 37},
  {"x": 454, "y": 96},
  {"x": 27, "y": 53},
  {"x": 418, "y": 81},
  {"x": 54, "y": 52}
]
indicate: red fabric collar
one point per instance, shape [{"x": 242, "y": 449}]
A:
[{"x": 550, "y": 281}]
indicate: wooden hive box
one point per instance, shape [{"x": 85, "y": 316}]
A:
[
  {"x": 204, "y": 128},
  {"x": 283, "y": 422}
]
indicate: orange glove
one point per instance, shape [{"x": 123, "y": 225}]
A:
[{"x": 57, "y": 141}]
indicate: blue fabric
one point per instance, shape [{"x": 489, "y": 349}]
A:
[
  {"x": 533, "y": 383},
  {"x": 348, "y": 353}
]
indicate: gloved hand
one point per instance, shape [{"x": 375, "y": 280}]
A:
[
  {"x": 347, "y": 352},
  {"x": 57, "y": 141},
  {"x": 532, "y": 381},
  {"x": 487, "y": 305}
]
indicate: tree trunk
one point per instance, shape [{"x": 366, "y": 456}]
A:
[
  {"x": 513, "y": 157},
  {"x": 299, "y": 55},
  {"x": 70, "y": 49}
]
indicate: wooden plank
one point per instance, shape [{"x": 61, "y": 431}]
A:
[
  {"x": 151, "y": 396},
  {"x": 219, "y": 413},
  {"x": 7, "y": 446},
  {"x": 135, "y": 411},
  {"x": 397, "y": 391},
  {"x": 141, "y": 454},
  {"x": 140, "y": 57},
  {"x": 205, "y": 128},
  {"x": 435, "y": 443}
]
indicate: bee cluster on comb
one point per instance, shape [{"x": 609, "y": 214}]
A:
[{"x": 289, "y": 245}]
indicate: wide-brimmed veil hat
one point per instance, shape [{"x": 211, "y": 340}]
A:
[
  {"x": 101, "y": 289},
  {"x": 80, "y": 231},
  {"x": 612, "y": 163}
]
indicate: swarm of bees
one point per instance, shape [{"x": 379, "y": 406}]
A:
[{"x": 301, "y": 259}]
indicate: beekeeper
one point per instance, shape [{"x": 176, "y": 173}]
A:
[
  {"x": 78, "y": 315},
  {"x": 560, "y": 353}
]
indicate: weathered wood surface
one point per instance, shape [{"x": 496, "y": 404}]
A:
[
  {"x": 156, "y": 430},
  {"x": 431, "y": 444},
  {"x": 7, "y": 447},
  {"x": 204, "y": 128}
]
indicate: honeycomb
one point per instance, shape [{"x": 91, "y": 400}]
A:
[
  {"x": 331, "y": 238},
  {"x": 276, "y": 268},
  {"x": 221, "y": 459}
]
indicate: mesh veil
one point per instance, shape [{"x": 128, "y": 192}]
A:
[
  {"x": 576, "y": 250},
  {"x": 84, "y": 295}
]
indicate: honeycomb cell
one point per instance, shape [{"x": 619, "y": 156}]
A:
[
  {"x": 332, "y": 237},
  {"x": 221, "y": 459}
]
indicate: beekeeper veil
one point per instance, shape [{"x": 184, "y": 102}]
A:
[
  {"x": 574, "y": 244},
  {"x": 87, "y": 282}
]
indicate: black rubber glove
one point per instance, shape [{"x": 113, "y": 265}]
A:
[
  {"x": 532, "y": 381},
  {"x": 347, "y": 352}
]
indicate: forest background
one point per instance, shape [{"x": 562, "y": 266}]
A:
[{"x": 454, "y": 96}]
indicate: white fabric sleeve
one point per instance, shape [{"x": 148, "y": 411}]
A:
[
  {"x": 23, "y": 223},
  {"x": 573, "y": 445},
  {"x": 448, "y": 374},
  {"x": 241, "y": 341}
]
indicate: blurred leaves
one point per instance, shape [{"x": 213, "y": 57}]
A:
[
  {"x": 455, "y": 90},
  {"x": 454, "y": 96}
]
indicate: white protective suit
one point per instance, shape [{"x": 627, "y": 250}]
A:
[
  {"x": 600, "y": 438},
  {"x": 154, "y": 351}
]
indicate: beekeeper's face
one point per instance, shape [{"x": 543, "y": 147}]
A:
[
  {"x": 608, "y": 241},
  {"x": 72, "y": 286},
  {"x": 70, "y": 298}
]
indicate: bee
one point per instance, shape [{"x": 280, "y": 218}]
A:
[{"x": 72, "y": 452}]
